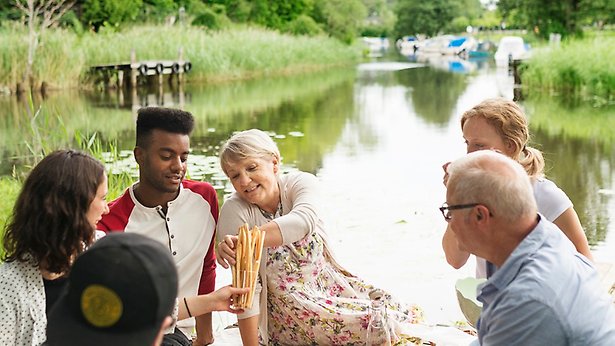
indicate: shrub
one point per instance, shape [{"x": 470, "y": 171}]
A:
[{"x": 304, "y": 25}]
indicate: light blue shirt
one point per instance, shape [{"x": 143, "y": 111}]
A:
[{"x": 546, "y": 293}]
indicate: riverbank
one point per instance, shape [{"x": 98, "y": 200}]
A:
[
  {"x": 582, "y": 68},
  {"x": 243, "y": 52}
]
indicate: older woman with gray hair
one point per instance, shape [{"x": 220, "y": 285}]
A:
[{"x": 306, "y": 297}]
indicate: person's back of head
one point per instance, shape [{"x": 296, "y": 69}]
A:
[
  {"x": 121, "y": 291},
  {"x": 495, "y": 180},
  {"x": 49, "y": 221},
  {"x": 164, "y": 119},
  {"x": 510, "y": 122}
]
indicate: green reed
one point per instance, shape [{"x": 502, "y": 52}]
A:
[
  {"x": 64, "y": 58},
  {"x": 48, "y": 133},
  {"x": 577, "y": 67},
  {"x": 58, "y": 61}
]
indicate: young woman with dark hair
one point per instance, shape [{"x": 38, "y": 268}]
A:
[{"x": 53, "y": 221}]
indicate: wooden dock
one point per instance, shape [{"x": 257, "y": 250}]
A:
[{"x": 129, "y": 73}]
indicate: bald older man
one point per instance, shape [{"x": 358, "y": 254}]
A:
[{"x": 544, "y": 292}]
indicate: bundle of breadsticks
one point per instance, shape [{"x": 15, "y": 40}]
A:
[{"x": 247, "y": 262}]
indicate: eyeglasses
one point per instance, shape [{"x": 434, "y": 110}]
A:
[{"x": 445, "y": 209}]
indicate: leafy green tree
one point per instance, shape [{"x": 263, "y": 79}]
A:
[
  {"x": 471, "y": 9},
  {"x": 599, "y": 12},
  {"x": 276, "y": 13},
  {"x": 8, "y": 11},
  {"x": 489, "y": 19},
  {"x": 213, "y": 17},
  {"x": 304, "y": 25},
  {"x": 380, "y": 18},
  {"x": 565, "y": 16},
  {"x": 97, "y": 13},
  {"x": 157, "y": 10},
  {"x": 424, "y": 17},
  {"x": 340, "y": 18}
]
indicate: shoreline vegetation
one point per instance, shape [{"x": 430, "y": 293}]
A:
[
  {"x": 581, "y": 68},
  {"x": 242, "y": 52}
]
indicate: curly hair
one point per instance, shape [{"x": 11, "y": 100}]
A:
[
  {"x": 510, "y": 122},
  {"x": 166, "y": 119},
  {"x": 49, "y": 222}
]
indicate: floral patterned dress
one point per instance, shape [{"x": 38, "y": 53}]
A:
[
  {"x": 313, "y": 302},
  {"x": 305, "y": 296}
]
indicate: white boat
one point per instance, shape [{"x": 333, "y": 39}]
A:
[
  {"x": 436, "y": 45},
  {"x": 376, "y": 45},
  {"x": 407, "y": 45},
  {"x": 510, "y": 48},
  {"x": 460, "y": 45}
]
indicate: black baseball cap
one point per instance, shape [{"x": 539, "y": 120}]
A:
[{"x": 119, "y": 292}]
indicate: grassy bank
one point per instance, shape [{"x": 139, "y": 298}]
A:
[
  {"x": 63, "y": 58},
  {"x": 582, "y": 68},
  {"x": 9, "y": 188}
]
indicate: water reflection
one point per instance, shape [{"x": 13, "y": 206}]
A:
[
  {"x": 578, "y": 142},
  {"x": 311, "y": 103},
  {"x": 433, "y": 92}
]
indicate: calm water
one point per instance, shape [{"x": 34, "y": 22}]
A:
[{"x": 376, "y": 136}]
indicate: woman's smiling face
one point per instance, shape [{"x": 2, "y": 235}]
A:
[{"x": 255, "y": 180}]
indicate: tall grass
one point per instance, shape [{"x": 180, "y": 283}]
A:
[
  {"x": 583, "y": 68},
  {"x": 58, "y": 61},
  {"x": 64, "y": 58},
  {"x": 11, "y": 186},
  {"x": 229, "y": 54}
]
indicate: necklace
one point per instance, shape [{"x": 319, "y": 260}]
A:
[{"x": 270, "y": 216}]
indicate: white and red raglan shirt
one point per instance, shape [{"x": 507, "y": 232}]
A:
[{"x": 188, "y": 230}]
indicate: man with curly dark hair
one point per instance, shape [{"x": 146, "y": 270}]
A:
[
  {"x": 53, "y": 221},
  {"x": 180, "y": 213}
]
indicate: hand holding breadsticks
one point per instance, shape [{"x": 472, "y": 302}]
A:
[{"x": 225, "y": 252}]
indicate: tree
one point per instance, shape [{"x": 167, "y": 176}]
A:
[
  {"x": 424, "y": 17},
  {"x": 97, "y": 13},
  {"x": 340, "y": 18},
  {"x": 599, "y": 12},
  {"x": 545, "y": 17},
  {"x": 380, "y": 18},
  {"x": 40, "y": 15}
]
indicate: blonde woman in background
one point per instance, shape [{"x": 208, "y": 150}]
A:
[{"x": 499, "y": 124}]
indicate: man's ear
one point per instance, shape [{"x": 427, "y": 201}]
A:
[
  {"x": 481, "y": 213},
  {"x": 139, "y": 153}
]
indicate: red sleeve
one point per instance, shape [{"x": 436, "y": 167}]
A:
[{"x": 208, "y": 276}]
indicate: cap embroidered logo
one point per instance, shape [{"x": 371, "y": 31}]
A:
[{"x": 101, "y": 306}]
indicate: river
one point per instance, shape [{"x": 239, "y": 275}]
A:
[{"x": 376, "y": 136}]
